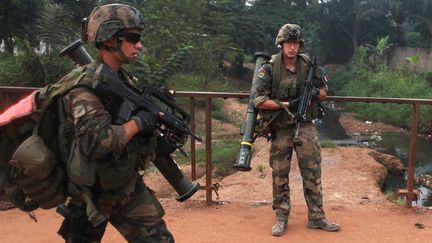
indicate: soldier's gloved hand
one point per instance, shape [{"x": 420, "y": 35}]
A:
[
  {"x": 315, "y": 92},
  {"x": 293, "y": 104},
  {"x": 165, "y": 144},
  {"x": 145, "y": 121}
]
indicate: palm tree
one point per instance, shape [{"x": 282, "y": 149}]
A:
[
  {"x": 55, "y": 27},
  {"x": 349, "y": 15},
  {"x": 397, "y": 11},
  {"x": 422, "y": 20}
]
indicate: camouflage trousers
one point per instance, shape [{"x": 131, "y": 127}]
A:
[
  {"x": 309, "y": 161},
  {"x": 138, "y": 218}
]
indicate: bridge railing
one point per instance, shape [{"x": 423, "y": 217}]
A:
[{"x": 8, "y": 95}]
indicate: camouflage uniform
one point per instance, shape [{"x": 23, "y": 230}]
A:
[
  {"x": 283, "y": 129},
  {"x": 118, "y": 191},
  {"x": 102, "y": 166}
]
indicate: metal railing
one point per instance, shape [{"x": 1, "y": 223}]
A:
[
  {"x": 209, "y": 95},
  {"x": 9, "y": 94}
]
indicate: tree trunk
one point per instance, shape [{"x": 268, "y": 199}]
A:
[
  {"x": 354, "y": 38},
  {"x": 8, "y": 45}
]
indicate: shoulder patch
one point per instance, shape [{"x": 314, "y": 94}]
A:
[
  {"x": 261, "y": 73},
  {"x": 79, "y": 111},
  {"x": 320, "y": 73}
]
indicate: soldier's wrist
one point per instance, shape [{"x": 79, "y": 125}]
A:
[{"x": 138, "y": 122}]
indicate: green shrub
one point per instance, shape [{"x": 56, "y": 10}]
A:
[
  {"x": 327, "y": 144},
  {"x": 428, "y": 77},
  {"x": 359, "y": 81},
  {"x": 33, "y": 70},
  {"x": 9, "y": 69},
  {"x": 392, "y": 197}
]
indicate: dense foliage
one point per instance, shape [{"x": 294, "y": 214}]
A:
[
  {"x": 220, "y": 32},
  {"x": 202, "y": 41},
  {"x": 365, "y": 78}
]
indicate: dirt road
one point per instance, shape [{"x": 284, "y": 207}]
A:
[{"x": 243, "y": 213}]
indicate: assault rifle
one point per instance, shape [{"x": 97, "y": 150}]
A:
[
  {"x": 133, "y": 100},
  {"x": 305, "y": 99},
  {"x": 174, "y": 121},
  {"x": 177, "y": 121}
]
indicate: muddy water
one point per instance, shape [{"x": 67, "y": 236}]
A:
[{"x": 396, "y": 144}]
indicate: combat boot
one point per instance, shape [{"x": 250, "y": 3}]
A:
[
  {"x": 279, "y": 228},
  {"x": 323, "y": 224}
]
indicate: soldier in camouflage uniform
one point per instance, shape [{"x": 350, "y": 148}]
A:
[
  {"x": 277, "y": 95},
  {"x": 104, "y": 159}
]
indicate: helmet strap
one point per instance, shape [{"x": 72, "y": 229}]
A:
[
  {"x": 107, "y": 48},
  {"x": 123, "y": 56}
]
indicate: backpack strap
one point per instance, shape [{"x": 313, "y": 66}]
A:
[
  {"x": 301, "y": 70},
  {"x": 276, "y": 73}
]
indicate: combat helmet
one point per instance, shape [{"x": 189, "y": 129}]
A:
[
  {"x": 106, "y": 20},
  {"x": 290, "y": 32}
]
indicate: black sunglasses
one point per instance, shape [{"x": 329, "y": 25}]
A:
[{"x": 130, "y": 37}]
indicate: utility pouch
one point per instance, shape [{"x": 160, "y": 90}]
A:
[
  {"x": 116, "y": 173},
  {"x": 80, "y": 169}
]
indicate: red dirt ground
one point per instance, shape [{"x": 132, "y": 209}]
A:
[{"x": 243, "y": 213}]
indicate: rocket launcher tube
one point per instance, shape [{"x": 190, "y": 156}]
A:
[{"x": 244, "y": 157}]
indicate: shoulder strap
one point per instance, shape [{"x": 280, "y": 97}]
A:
[
  {"x": 276, "y": 72},
  {"x": 47, "y": 96},
  {"x": 302, "y": 70}
]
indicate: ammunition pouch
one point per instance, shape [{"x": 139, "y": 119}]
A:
[
  {"x": 37, "y": 175},
  {"x": 278, "y": 119},
  {"x": 110, "y": 173}
]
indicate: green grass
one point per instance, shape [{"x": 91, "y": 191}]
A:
[
  {"x": 327, "y": 144},
  {"x": 224, "y": 153},
  {"x": 392, "y": 197}
]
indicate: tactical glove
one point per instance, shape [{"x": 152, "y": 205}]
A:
[
  {"x": 315, "y": 92},
  {"x": 145, "y": 121},
  {"x": 165, "y": 145},
  {"x": 293, "y": 104}
]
